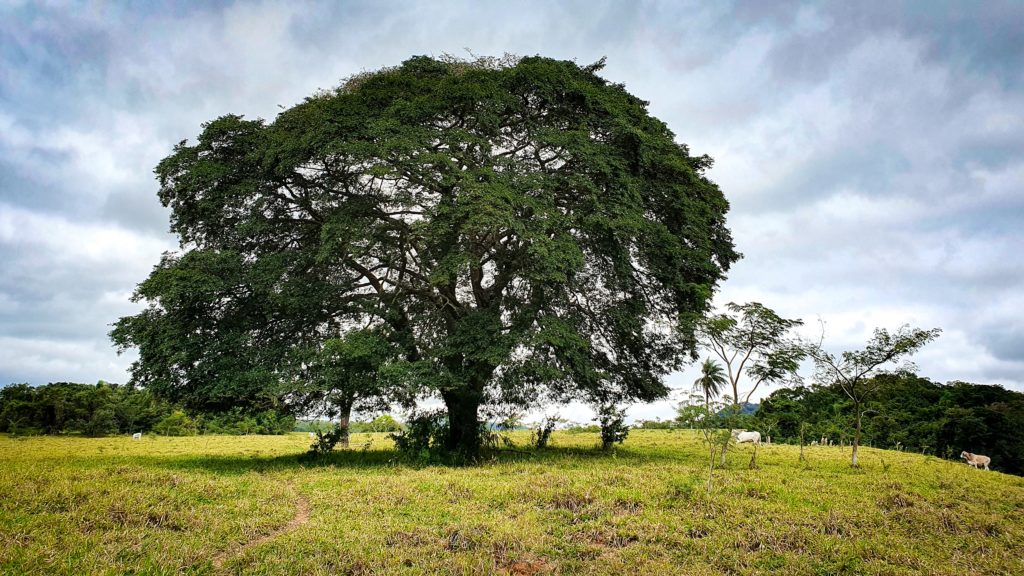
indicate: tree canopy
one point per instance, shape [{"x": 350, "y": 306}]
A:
[
  {"x": 854, "y": 371},
  {"x": 515, "y": 228},
  {"x": 752, "y": 340}
]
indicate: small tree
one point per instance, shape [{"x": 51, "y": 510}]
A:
[
  {"x": 803, "y": 434},
  {"x": 854, "y": 372},
  {"x": 385, "y": 423},
  {"x": 710, "y": 384},
  {"x": 325, "y": 441},
  {"x": 702, "y": 412},
  {"x": 752, "y": 339}
]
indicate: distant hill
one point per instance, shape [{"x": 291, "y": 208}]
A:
[
  {"x": 746, "y": 408},
  {"x": 909, "y": 413}
]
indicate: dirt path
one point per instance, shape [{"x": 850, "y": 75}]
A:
[{"x": 301, "y": 517}]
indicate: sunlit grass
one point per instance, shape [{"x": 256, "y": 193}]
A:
[{"x": 177, "y": 505}]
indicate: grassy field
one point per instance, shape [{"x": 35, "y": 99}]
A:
[{"x": 253, "y": 505}]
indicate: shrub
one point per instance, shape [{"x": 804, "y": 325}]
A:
[
  {"x": 176, "y": 424},
  {"x": 613, "y": 426},
  {"x": 326, "y": 441},
  {"x": 542, "y": 433},
  {"x": 423, "y": 436}
]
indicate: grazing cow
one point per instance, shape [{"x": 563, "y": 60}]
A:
[
  {"x": 814, "y": 442},
  {"x": 137, "y": 436},
  {"x": 976, "y": 460},
  {"x": 312, "y": 434},
  {"x": 742, "y": 436}
]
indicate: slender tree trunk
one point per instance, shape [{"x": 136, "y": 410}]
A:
[
  {"x": 709, "y": 438},
  {"x": 802, "y": 457},
  {"x": 463, "y": 422},
  {"x": 856, "y": 436},
  {"x": 711, "y": 460}
]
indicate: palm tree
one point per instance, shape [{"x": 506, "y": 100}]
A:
[{"x": 711, "y": 382}]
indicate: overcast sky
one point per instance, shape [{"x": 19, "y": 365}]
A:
[{"x": 873, "y": 152}]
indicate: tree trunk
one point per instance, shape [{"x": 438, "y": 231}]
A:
[
  {"x": 463, "y": 422},
  {"x": 856, "y": 436},
  {"x": 711, "y": 459},
  {"x": 803, "y": 428},
  {"x": 344, "y": 419},
  {"x": 709, "y": 437}
]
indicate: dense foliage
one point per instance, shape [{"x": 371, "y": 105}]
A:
[
  {"x": 65, "y": 407},
  {"x": 514, "y": 229},
  {"x": 103, "y": 409},
  {"x": 910, "y": 413}
]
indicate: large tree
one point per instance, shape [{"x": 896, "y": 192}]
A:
[{"x": 514, "y": 226}]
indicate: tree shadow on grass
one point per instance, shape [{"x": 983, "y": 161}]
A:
[
  {"x": 237, "y": 464},
  {"x": 558, "y": 457}
]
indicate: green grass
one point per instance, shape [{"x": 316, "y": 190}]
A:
[{"x": 223, "y": 504}]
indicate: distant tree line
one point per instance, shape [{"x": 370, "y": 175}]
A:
[
  {"x": 382, "y": 423},
  {"x": 105, "y": 409},
  {"x": 907, "y": 412}
]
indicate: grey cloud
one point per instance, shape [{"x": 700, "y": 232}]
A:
[
  {"x": 1006, "y": 342},
  {"x": 138, "y": 210},
  {"x": 981, "y": 40},
  {"x": 871, "y": 151}
]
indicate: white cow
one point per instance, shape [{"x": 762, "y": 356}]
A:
[
  {"x": 312, "y": 434},
  {"x": 976, "y": 460},
  {"x": 137, "y": 436},
  {"x": 742, "y": 436}
]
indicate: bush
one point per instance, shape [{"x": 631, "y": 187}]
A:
[
  {"x": 424, "y": 435},
  {"x": 176, "y": 424},
  {"x": 325, "y": 442},
  {"x": 542, "y": 433},
  {"x": 317, "y": 426},
  {"x": 613, "y": 426},
  {"x": 577, "y": 428}
]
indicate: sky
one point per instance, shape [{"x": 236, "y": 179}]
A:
[{"x": 872, "y": 152}]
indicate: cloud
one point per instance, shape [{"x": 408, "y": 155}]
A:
[
  {"x": 64, "y": 283},
  {"x": 873, "y": 154}
]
